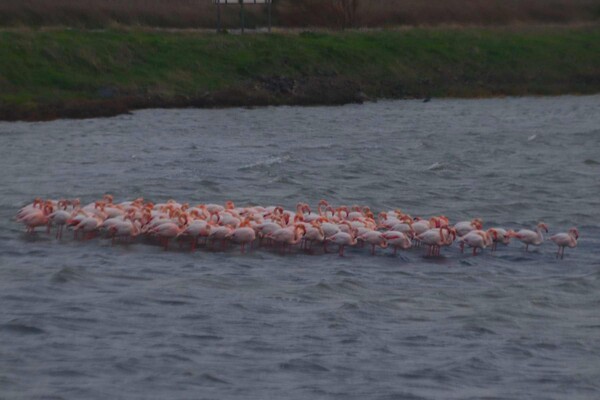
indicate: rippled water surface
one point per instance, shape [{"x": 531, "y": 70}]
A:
[{"x": 91, "y": 321}]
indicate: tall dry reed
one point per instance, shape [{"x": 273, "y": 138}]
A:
[{"x": 295, "y": 13}]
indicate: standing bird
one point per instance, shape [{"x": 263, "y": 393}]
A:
[
  {"x": 398, "y": 240},
  {"x": 500, "y": 235},
  {"x": 563, "y": 240},
  {"x": 435, "y": 239},
  {"x": 165, "y": 232},
  {"x": 464, "y": 227},
  {"x": 243, "y": 235},
  {"x": 374, "y": 238},
  {"x": 476, "y": 239},
  {"x": 530, "y": 237},
  {"x": 342, "y": 239},
  {"x": 289, "y": 236}
]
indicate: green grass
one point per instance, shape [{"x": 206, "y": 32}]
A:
[{"x": 52, "y": 67}]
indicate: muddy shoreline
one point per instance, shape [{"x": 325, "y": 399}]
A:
[{"x": 271, "y": 91}]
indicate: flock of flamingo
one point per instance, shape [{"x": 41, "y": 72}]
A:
[{"x": 215, "y": 226}]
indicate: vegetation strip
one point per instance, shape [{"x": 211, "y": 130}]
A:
[{"x": 49, "y": 74}]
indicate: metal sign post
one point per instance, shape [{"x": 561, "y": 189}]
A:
[
  {"x": 269, "y": 6},
  {"x": 242, "y": 3},
  {"x": 218, "y": 16},
  {"x": 242, "y": 15}
]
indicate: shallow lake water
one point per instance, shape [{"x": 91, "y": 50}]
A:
[{"x": 89, "y": 320}]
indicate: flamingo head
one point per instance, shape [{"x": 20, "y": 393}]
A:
[
  {"x": 493, "y": 232},
  {"x": 573, "y": 231},
  {"x": 229, "y": 205},
  {"x": 477, "y": 223},
  {"x": 406, "y": 219},
  {"x": 183, "y": 219},
  {"x": 300, "y": 230},
  {"x": 48, "y": 208},
  {"x": 215, "y": 214},
  {"x": 543, "y": 226},
  {"x": 195, "y": 213},
  {"x": 443, "y": 220},
  {"x": 435, "y": 222}
]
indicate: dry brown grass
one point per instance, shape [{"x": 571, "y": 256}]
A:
[
  {"x": 378, "y": 13},
  {"x": 104, "y": 13},
  {"x": 296, "y": 13}
]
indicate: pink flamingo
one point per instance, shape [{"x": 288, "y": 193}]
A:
[
  {"x": 124, "y": 229},
  {"x": 165, "y": 232},
  {"x": 342, "y": 239},
  {"x": 314, "y": 233},
  {"x": 500, "y": 235},
  {"x": 243, "y": 235},
  {"x": 33, "y": 217},
  {"x": 221, "y": 233},
  {"x": 563, "y": 240},
  {"x": 477, "y": 239},
  {"x": 196, "y": 229},
  {"x": 89, "y": 226},
  {"x": 288, "y": 236},
  {"x": 464, "y": 227},
  {"x": 530, "y": 237},
  {"x": 374, "y": 238},
  {"x": 435, "y": 238},
  {"x": 60, "y": 218},
  {"x": 398, "y": 240}
]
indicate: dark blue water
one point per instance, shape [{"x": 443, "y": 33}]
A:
[{"x": 92, "y": 321}]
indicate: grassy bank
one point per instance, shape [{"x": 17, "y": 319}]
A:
[{"x": 72, "y": 73}]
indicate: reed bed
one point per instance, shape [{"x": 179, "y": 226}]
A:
[{"x": 332, "y": 14}]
